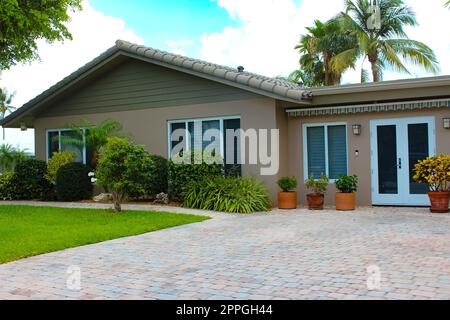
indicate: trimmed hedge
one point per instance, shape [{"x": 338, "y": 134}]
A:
[
  {"x": 180, "y": 176},
  {"x": 159, "y": 175},
  {"x": 30, "y": 182},
  {"x": 7, "y": 186},
  {"x": 58, "y": 160},
  {"x": 73, "y": 182},
  {"x": 228, "y": 194}
]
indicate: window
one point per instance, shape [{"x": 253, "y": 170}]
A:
[
  {"x": 55, "y": 143},
  {"x": 325, "y": 150},
  {"x": 192, "y": 135}
]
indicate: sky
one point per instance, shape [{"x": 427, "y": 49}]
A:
[{"x": 258, "y": 34}]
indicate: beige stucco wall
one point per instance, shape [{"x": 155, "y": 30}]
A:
[
  {"x": 149, "y": 126},
  {"x": 357, "y": 165}
]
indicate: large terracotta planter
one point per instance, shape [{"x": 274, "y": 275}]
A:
[
  {"x": 439, "y": 202},
  {"x": 287, "y": 200},
  {"x": 315, "y": 201},
  {"x": 345, "y": 201}
]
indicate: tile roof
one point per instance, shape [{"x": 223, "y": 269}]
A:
[{"x": 273, "y": 86}]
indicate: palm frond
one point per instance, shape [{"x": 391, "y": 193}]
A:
[{"x": 416, "y": 53}]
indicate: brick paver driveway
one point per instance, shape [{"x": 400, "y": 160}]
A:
[{"x": 282, "y": 255}]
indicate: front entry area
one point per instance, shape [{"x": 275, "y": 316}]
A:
[{"x": 396, "y": 146}]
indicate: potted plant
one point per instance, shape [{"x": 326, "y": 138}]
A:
[
  {"x": 316, "y": 198},
  {"x": 287, "y": 199},
  {"x": 435, "y": 171},
  {"x": 346, "y": 197}
]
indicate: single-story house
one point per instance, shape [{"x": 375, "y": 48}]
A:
[{"x": 377, "y": 131}]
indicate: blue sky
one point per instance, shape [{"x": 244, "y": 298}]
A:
[{"x": 159, "y": 21}]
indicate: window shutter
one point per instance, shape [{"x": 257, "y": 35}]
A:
[
  {"x": 337, "y": 151},
  {"x": 316, "y": 151}
]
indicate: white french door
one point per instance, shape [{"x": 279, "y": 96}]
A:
[{"x": 396, "y": 146}]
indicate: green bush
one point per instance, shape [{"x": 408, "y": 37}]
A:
[
  {"x": 182, "y": 175},
  {"x": 127, "y": 170},
  {"x": 347, "y": 184},
  {"x": 149, "y": 174},
  {"x": 228, "y": 194},
  {"x": 158, "y": 180},
  {"x": 30, "y": 180},
  {"x": 7, "y": 186},
  {"x": 287, "y": 184},
  {"x": 73, "y": 182},
  {"x": 58, "y": 160}
]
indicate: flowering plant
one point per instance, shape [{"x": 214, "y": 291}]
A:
[{"x": 435, "y": 171}]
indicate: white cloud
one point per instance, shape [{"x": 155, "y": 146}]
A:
[
  {"x": 179, "y": 46},
  {"x": 270, "y": 29},
  {"x": 93, "y": 33}
]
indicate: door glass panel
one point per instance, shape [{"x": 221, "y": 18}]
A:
[
  {"x": 418, "y": 149},
  {"x": 387, "y": 159}
]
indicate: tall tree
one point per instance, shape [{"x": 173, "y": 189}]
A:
[
  {"x": 318, "y": 47},
  {"x": 5, "y": 105},
  {"x": 23, "y": 22},
  {"x": 381, "y": 38}
]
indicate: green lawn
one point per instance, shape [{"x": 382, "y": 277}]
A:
[{"x": 27, "y": 231}]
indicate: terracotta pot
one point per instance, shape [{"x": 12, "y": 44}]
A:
[
  {"x": 345, "y": 201},
  {"x": 287, "y": 200},
  {"x": 315, "y": 201},
  {"x": 439, "y": 202}
]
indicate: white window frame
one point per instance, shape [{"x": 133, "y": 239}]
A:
[
  {"x": 59, "y": 141},
  {"x": 186, "y": 124},
  {"x": 305, "y": 146}
]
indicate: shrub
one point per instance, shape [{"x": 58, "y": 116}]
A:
[
  {"x": 347, "y": 184},
  {"x": 434, "y": 171},
  {"x": 30, "y": 180},
  {"x": 58, "y": 160},
  {"x": 125, "y": 169},
  {"x": 318, "y": 186},
  {"x": 73, "y": 182},
  {"x": 7, "y": 186},
  {"x": 183, "y": 175},
  {"x": 154, "y": 181},
  {"x": 228, "y": 194},
  {"x": 287, "y": 184}
]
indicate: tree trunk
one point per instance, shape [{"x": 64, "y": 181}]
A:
[
  {"x": 373, "y": 59},
  {"x": 117, "y": 199}
]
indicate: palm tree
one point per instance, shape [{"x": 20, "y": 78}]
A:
[
  {"x": 447, "y": 4},
  {"x": 386, "y": 45},
  {"x": 318, "y": 47},
  {"x": 92, "y": 136},
  {"x": 5, "y": 105},
  {"x": 9, "y": 157}
]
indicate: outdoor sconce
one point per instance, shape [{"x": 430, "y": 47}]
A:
[
  {"x": 357, "y": 129},
  {"x": 23, "y": 127},
  {"x": 446, "y": 122}
]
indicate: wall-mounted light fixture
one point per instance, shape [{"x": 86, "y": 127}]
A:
[
  {"x": 23, "y": 127},
  {"x": 357, "y": 128},
  {"x": 446, "y": 123}
]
